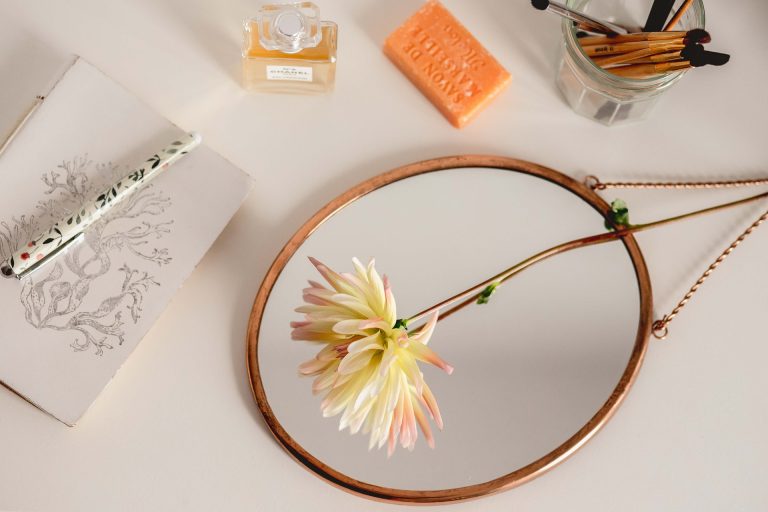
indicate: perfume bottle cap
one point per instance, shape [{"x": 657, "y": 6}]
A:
[
  {"x": 289, "y": 24},
  {"x": 289, "y": 28}
]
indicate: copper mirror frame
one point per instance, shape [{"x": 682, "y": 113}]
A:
[{"x": 501, "y": 483}]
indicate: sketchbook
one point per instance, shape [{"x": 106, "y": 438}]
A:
[{"x": 67, "y": 328}]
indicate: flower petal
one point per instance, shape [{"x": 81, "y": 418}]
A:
[
  {"x": 426, "y": 354},
  {"x": 387, "y": 359},
  {"x": 390, "y": 308},
  {"x": 334, "y": 279},
  {"x": 354, "y": 362},
  {"x": 348, "y": 326},
  {"x": 312, "y": 367},
  {"x": 325, "y": 379},
  {"x": 374, "y": 323},
  {"x": 372, "y": 342},
  {"x": 303, "y": 334},
  {"x": 431, "y": 403},
  {"x": 424, "y": 424},
  {"x": 425, "y": 333}
]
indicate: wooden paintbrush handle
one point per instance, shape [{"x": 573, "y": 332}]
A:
[
  {"x": 660, "y": 57},
  {"x": 678, "y": 15},
  {"x": 631, "y": 38},
  {"x": 613, "y": 49},
  {"x": 621, "y": 58},
  {"x": 648, "y": 70}
]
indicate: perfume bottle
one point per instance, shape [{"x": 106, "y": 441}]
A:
[{"x": 287, "y": 48}]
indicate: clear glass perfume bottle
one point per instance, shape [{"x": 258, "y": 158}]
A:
[{"x": 287, "y": 48}]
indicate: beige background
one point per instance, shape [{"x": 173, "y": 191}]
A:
[{"x": 178, "y": 429}]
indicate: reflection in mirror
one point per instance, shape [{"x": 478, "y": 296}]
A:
[{"x": 532, "y": 367}]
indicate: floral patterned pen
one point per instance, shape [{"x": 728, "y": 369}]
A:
[{"x": 69, "y": 230}]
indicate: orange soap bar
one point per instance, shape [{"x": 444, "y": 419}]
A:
[{"x": 442, "y": 58}]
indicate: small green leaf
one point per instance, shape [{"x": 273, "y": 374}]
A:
[
  {"x": 617, "y": 216},
  {"x": 485, "y": 295},
  {"x": 401, "y": 324}
]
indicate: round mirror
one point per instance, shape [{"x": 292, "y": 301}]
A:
[{"x": 538, "y": 369}]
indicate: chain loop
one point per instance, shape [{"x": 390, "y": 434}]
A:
[
  {"x": 594, "y": 183},
  {"x": 660, "y": 328}
]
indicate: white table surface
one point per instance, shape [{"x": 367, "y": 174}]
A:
[{"x": 178, "y": 429}]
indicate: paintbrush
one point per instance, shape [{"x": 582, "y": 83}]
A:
[
  {"x": 649, "y": 70},
  {"x": 678, "y": 15},
  {"x": 693, "y": 52},
  {"x": 659, "y": 57},
  {"x": 696, "y": 35},
  {"x": 695, "y": 55},
  {"x": 658, "y": 15},
  {"x": 622, "y": 58},
  {"x": 585, "y": 22},
  {"x": 614, "y": 49}
]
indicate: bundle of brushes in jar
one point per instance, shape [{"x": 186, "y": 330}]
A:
[
  {"x": 645, "y": 54},
  {"x": 640, "y": 54}
]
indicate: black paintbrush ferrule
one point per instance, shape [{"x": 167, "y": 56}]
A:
[
  {"x": 698, "y": 56},
  {"x": 692, "y": 51}
]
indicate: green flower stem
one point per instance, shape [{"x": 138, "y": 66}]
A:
[{"x": 472, "y": 294}]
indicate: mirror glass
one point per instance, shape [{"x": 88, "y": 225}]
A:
[{"x": 532, "y": 366}]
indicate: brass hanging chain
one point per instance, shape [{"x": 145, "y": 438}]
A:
[
  {"x": 660, "y": 329},
  {"x": 595, "y": 184},
  {"x": 661, "y": 326}
]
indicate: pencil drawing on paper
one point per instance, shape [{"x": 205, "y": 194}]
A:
[{"x": 61, "y": 296}]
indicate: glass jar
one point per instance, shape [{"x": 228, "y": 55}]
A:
[{"x": 602, "y": 96}]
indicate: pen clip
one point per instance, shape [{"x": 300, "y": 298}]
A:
[{"x": 7, "y": 271}]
